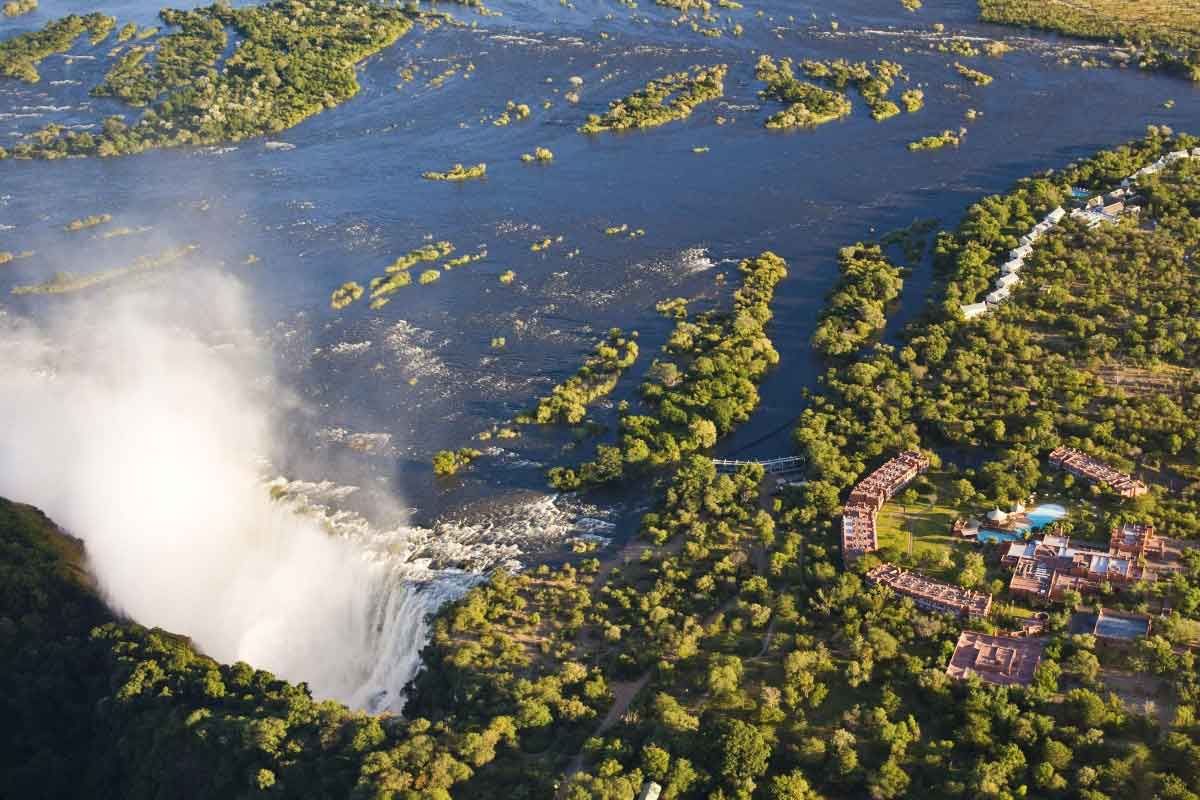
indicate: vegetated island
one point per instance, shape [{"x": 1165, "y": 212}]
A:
[
  {"x": 513, "y": 111},
  {"x": 15, "y": 8},
  {"x": 873, "y": 80},
  {"x": 568, "y": 402},
  {"x": 449, "y": 462},
  {"x": 292, "y": 59},
  {"x": 666, "y": 99},
  {"x": 457, "y": 173},
  {"x": 938, "y": 141},
  {"x": 694, "y": 12},
  {"x": 705, "y": 386},
  {"x": 809, "y": 105},
  {"x": 21, "y": 54},
  {"x": 913, "y": 99},
  {"x": 856, "y": 309},
  {"x": 397, "y": 275},
  {"x": 64, "y": 282},
  {"x": 973, "y": 75},
  {"x": 90, "y": 221},
  {"x": 1164, "y": 34},
  {"x": 541, "y": 155},
  {"x": 729, "y": 651}
]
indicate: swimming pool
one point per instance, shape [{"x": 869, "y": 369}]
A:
[
  {"x": 993, "y": 537},
  {"x": 1122, "y": 627},
  {"x": 1046, "y": 514}
]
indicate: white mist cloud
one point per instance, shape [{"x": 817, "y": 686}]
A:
[{"x": 130, "y": 429}]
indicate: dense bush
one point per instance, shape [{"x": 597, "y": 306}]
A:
[
  {"x": 856, "y": 309},
  {"x": 705, "y": 386},
  {"x": 294, "y": 58},
  {"x": 672, "y": 97}
]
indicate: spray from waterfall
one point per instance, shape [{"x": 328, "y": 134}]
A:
[
  {"x": 141, "y": 422},
  {"x": 137, "y": 421}
]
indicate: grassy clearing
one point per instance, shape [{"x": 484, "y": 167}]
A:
[{"x": 924, "y": 527}]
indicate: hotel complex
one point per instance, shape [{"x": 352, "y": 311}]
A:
[
  {"x": 1084, "y": 466},
  {"x": 930, "y": 594},
  {"x": 1045, "y": 568},
  {"x": 869, "y": 496},
  {"x": 1002, "y": 660}
]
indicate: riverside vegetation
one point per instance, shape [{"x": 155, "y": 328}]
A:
[
  {"x": 856, "y": 309},
  {"x": 704, "y": 386},
  {"x": 1165, "y": 33},
  {"x": 725, "y": 654},
  {"x": 293, "y": 59}
]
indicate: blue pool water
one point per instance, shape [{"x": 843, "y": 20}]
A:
[
  {"x": 1122, "y": 627},
  {"x": 1045, "y": 514},
  {"x": 992, "y": 537}
]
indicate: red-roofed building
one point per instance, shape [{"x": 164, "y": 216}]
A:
[
  {"x": 1136, "y": 541},
  {"x": 868, "y": 497},
  {"x": 1084, "y": 466},
  {"x": 930, "y": 594},
  {"x": 1002, "y": 660}
]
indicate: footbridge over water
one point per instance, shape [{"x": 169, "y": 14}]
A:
[{"x": 773, "y": 466}]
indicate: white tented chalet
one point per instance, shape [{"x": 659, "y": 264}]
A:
[
  {"x": 997, "y": 297},
  {"x": 1012, "y": 267},
  {"x": 1056, "y": 216},
  {"x": 1008, "y": 281},
  {"x": 1024, "y": 251},
  {"x": 650, "y": 791},
  {"x": 973, "y": 310}
]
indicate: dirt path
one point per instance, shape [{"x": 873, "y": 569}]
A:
[
  {"x": 1136, "y": 689},
  {"x": 630, "y": 553},
  {"x": 623, "y": 695},
  {"x": 770, "y": 634}
]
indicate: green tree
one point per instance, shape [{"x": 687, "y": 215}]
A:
[{"x": 740, "y": 754}]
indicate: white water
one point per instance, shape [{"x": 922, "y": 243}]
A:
[{"x": 139, "y": 425}]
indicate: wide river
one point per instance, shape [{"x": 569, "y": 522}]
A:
[{"x": 340, "y": 196}]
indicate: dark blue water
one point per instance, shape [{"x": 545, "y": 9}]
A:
[{"x": 348, "y": 199}]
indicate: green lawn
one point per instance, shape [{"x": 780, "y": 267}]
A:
[{"x": 924, "y": 528}]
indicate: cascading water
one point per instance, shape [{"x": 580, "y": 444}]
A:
[
  {"x": 414, "y": 570},
  {"x": 127, "y": 423}
]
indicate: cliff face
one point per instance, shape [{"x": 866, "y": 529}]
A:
[
  {"x": 95, "y": 706},
  {"x": 49, "y": 676}
]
